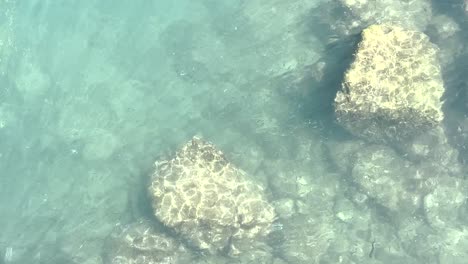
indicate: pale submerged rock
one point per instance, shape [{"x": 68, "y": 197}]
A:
[
  {"x": 140, "y": 243},
  {"x": 456, "y": 242},
  {"x": 306, "y": 239},
  {"x": 392, "y": 91},
  {"x": 444, "y": 204},
  {"x": 208, "y": 201},
  {"x": 285, "y": 207},
  {"x": 382, "y": 175},
  {"x": 433, "y": 147}
]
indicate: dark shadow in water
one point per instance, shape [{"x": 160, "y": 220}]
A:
[
  {"x": 314, "y": 96},
  {"x": 139, "y": 202},
  {"x": 456, "y": 105},
  {"x": 454, "y": 75},
  {"x": 456, "y": 85}
]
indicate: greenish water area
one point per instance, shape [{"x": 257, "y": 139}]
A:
[{"x": 94, "y": 92}]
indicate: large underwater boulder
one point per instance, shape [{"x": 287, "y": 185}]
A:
[
  {"x": 208, "y": 201},
  {"x": 392, "y": 91}
]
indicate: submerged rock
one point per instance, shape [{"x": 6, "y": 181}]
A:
[
  {"x": 455, "y": 241},
  {"x": 306, "y": 239},
  {"x": 392, "y": 91},
  {"x": 444, "y": 207},
  {"x": 140, "y": 243},
  {"x": 208, "y": 201},
  {"x": 432, "y": 149},
  {"x": 391, "y": 181}
]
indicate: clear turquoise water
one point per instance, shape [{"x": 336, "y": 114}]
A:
[{"x": 93, "y": 92}]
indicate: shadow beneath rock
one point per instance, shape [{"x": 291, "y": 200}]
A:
[{"x": 314, "y": 93}]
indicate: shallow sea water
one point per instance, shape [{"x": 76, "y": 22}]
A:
[{"x": 93, "y": 92}]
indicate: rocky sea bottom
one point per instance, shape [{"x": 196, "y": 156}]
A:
[{"x": 93, "y": 93}]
